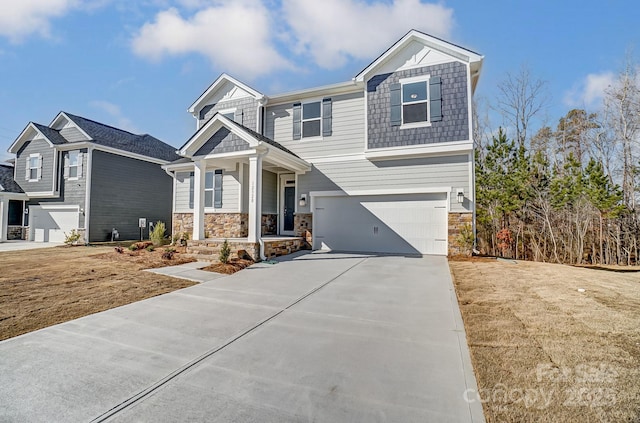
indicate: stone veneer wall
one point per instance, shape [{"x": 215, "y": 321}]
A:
[
  {"x": 302, "y": 225},
  {"x": 456, "y": 222},
  {"x": 16, "y": 232},
  {"x": 224, "y": 225},
  {"x": 269, "y": 224},
  {"x": 283, "y": 247},
  {"x": 212, "y": 248}
]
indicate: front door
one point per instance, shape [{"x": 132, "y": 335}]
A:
[{"x": 289, "y": 207}]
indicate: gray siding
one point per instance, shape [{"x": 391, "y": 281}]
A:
[
  {"x": 72, "y": 134},
  {"x": 450, "y": 171},
  {"x": 246, "y": 109},
  {"x": 223, "y": 141},
  {"x": 269, "y": 192},
  {"x": 230, "y": 193},
  {"x": 71, "y": 192},
  {"x": 347, "y": 128},
  {"x": 48, "y": 180},
  {"x": 124, "y": 190},
  {"x": 454, "y": 125}
]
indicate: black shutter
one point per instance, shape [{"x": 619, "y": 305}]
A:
[
  {"x": 326, "y": 117},
  {"x": 396, "y": 104},
  {"x": 297, "y": 121},
  {"x": 217, "y": 189},
  {"x": 191, "y": 181},
  {"x": 435, "y": 99}
]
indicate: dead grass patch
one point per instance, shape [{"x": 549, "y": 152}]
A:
[
  {"x": 44, "y": 287},
  {"x": 545, "y": 352}
]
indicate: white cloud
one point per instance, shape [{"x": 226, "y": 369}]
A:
[
  {"x": 590, "y": 91},
  {"x": 20, "y": 19},
  {"x": 233, "y": 34},
  {"x": 114, "y": 111},
  {"x": 332, "y": 31}
]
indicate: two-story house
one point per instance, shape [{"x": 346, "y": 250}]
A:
[
  {"x": 382, "y": 163},
  {"x": 78, "y": 174}
]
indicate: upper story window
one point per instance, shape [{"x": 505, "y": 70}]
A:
[
  {"x": 416, "y": 102},
  {"x": 312, "y": 119},
  {"x": 73, "y": 165},
  {"x": 33, "y": 167}
]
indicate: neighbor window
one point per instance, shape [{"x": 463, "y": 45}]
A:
[
  {"x": 34, "y": 165},
  {"x": 311, "y": 119},
  {"x": 415, "y": 102},
  {"x": 73, "y": 163}
]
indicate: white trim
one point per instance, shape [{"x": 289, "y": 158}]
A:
[
  {"x": 12, "y": 149},
  {"x": 13, "y": 195},
  {"x": 457, "y": 52},
  {"x": 302, "y": 120},
  {"x": 346, "y": 87},
  {"x": 217, "y": 84},
  {"x": 282, "y": 178},
  {"x": 90, "y": 144},
  {"x": 241, "y": 183},
  {"x": 227, "y": 111},
  {"x": 57, "y": 207},
  {"x": 415, "y": 79},
  {"x": 452, "y": 148},
  {"x": 87, "y": 196},
  {"x": 44, "y": 194},
  {"x": 61, "y": 114},
  {"x": 37, "y": 168}
]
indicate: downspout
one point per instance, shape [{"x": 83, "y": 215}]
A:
[{"x": 87, "y": 197}]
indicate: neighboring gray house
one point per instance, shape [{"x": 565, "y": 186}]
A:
[
  {"x": 12, "y": 199},
  {"x": 382, "y": 163},
  {"x": 83, "y": 175}
]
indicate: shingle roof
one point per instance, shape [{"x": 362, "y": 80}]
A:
[
  {"x": 6, "y": 180},
  {"x": 117, "y": 138},
  {"x": 51, "y": 134}
]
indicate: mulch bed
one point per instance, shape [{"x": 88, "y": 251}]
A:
[{"x": 233, "y": 266}]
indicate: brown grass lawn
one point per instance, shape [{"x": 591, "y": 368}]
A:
[
  {"x": 43, "y": 287},
  {"x": 543, "y": 351}
]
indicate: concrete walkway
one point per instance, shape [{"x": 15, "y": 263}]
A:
[
  {"x": 318, "y": 337},
  {"x": 26, "y": 245}
]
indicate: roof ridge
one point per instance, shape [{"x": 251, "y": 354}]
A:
[{"x": 101, "y": 124}]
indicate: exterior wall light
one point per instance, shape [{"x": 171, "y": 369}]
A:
[
  {"x": 303, "y": 200},
  {"x": 460, "y": 194}
]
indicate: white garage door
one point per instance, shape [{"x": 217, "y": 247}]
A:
[
  {"x": 397, "y": 224},
  {"x": 49, "y": 224}
]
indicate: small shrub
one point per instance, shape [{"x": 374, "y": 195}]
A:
[
  {"x": 465, "y": 238},
  {"x": 168, "y": 254},
  {"x": 157, "y": 235},
  {"x": 225, "y": 252},
  {"x": 133, "y": 247},
  {"x": 142, "y": 245},
  {"x": 150, "y": 248},
  {"x": 72, "y": 238}
]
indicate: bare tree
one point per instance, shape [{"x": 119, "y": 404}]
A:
[{"x": 520, "y": 99}]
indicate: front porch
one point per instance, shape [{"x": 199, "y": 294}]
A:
[{"x": 274, "y": 246}]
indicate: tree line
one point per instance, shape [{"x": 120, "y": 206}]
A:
[{"x": 569, "y": 192}]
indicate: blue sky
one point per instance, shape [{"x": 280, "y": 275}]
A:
[{"x": 138, "y": 65}]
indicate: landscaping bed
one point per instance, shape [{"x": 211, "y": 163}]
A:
[{"x": 551, "y": 343}]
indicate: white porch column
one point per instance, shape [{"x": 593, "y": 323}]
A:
[
  {"x": 4, "y": 219},
  {"x": 255, "y": 197},
  {"x": 198, "y": 200}
]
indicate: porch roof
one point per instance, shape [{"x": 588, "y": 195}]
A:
[{"x": 256, "y": 144}]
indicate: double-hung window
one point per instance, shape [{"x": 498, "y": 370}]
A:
[
  {"x": 74, "y": 164},
  {"x": 213, "y": 189},
  {"x": 312, "y": 119},
  {"x": 34, "y": 166},
  {"x": 416, "y": 101}
]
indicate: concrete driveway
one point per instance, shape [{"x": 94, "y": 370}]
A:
[
  {"x": 26, "y": 245},
  {"x": 318, "y": 337}
]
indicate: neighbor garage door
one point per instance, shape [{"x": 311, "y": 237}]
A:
[
  {"x": 49, "y": 224},
  {"x": 397, "y": 224}
]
